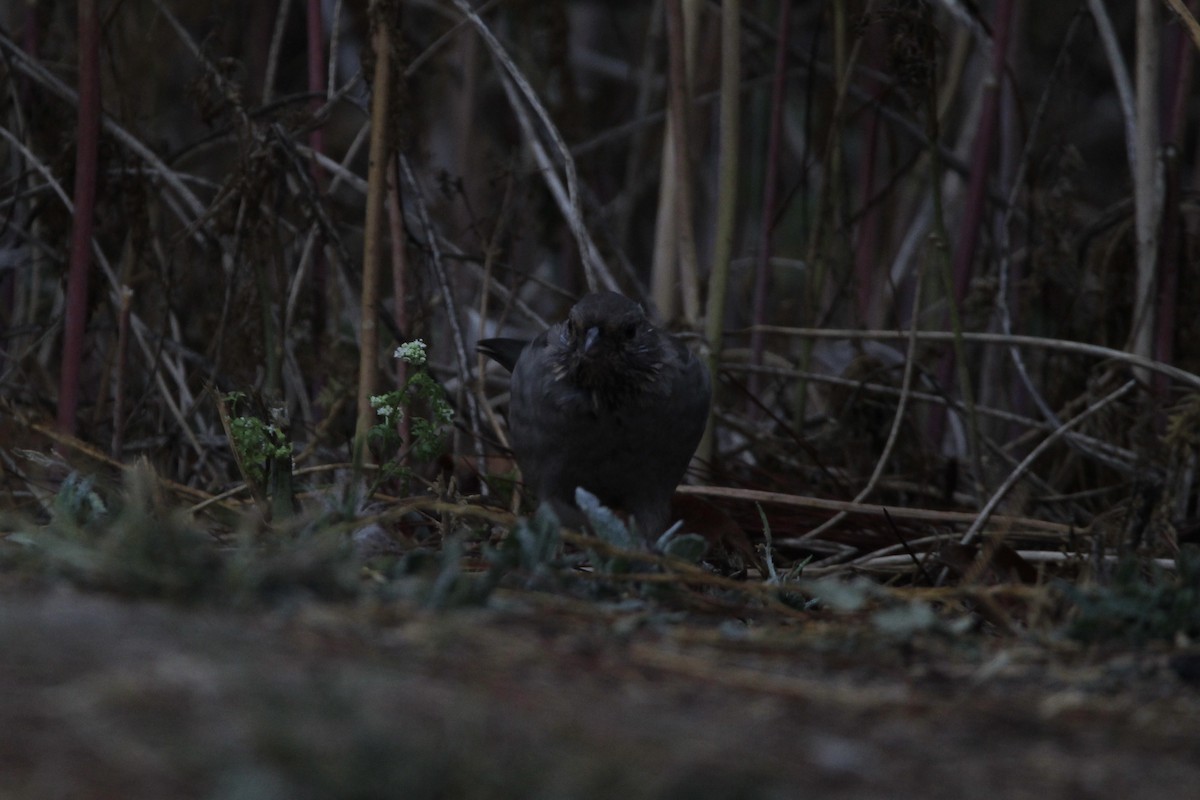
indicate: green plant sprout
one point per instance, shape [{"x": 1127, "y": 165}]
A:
[
  {"x": 428, "y": 431},
  {"x": 258, "y": 443}
]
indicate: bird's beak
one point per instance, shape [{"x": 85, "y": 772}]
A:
[{"x": 590, "y": 338}]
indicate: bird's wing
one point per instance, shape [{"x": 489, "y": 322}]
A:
[{"x": 504, "y": 352}]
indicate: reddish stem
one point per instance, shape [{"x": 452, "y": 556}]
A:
[
  {"x": 1171, "y": 235},
  {"x": 867, "y": 250},
  {"x": 316, "y": 70},
  {"x": 1178, "y": 83},
  {"x": 981, "y": 157},
  {"x": 87, "y": 137}
]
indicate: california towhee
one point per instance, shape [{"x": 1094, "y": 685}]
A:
[{"x": 606, "y": 401}]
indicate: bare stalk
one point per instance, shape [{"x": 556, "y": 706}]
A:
[
  {"x": 981, "y": 157},
  {"x": 399, "y": 239},
  {"x": 664, "y": 264},
  {"x": 316, "y": 140},
  {"x": 122, "y": 360},
  {"x": 1116, "y": 63},
  {"x": 1147, "y": 197},
  {"x": 377, "y": 160},
  {"x": 281, "y": 14},
  {"x": 970, "y": 226},
  {"x": 87, "y": 139},
  {"x": 770, "y": 179},
  {"x": 680, "y": 100},
  {"x": 727, "y": 180},
  {"x": 1188, "y": 20},
  {"x": 641, "y": 118}
]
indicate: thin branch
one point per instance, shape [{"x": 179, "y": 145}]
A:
[
  {"x": 910, "y": 361},
  {"x": 56, "y": 87},
  {"x": 1120, "y": 73},
  {"x": 462, "y": 359},
  {"x": 1119, "y": 458},
  {"x": 986, "y": 512},
  {"x": 598, "y": 275},
  {"x": 865, "y": 509},
  {"x": 1002, "y": 229},
  {"x": 1080, "y": 348},
  {"x": 1189, "y": 21},
  {"x": 281, "y": 14}
]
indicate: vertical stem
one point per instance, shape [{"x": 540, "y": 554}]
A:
[
  {"x": 869, "y": 289},
  {"x": 381, "y": 89},
  {"x": 10, "y": 289},
  {"x": 316, "y": 71},
  {"x": 1116, "y": 61},
  {"x": 1146, "y": 197},
  {"x": 274, "y": 49},
  {"x": 399, "y": 238},
  {"x": 665, "y": 264},
  {"x": 981, "y": 157},
  {"x": 87, "y": 138},
  {"x": 1169, "y": 263},
  {"x": 767, "y": 221},
  {"x": 272, "y": 336},
  {"x": 31, "y": 38},
  {"x": 637, "y": 148},
  {"x": 122, "y": 359},
  {"x": 1173, "y": 233},
  {"x": 727, "y": 180},
  {"x": 971, "y": 224},
  {"x": 1178, "y": 84},
  {"x": 316, "y": 141},
  {"x": 677, "y": 35}
]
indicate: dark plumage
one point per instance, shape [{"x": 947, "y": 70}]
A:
[{"x": 606, "y": 401}]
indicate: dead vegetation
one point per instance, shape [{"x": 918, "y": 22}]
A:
[{"x": 954, "y": 439}]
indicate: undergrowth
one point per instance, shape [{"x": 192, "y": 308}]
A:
[{"x": 135, "y": 543}]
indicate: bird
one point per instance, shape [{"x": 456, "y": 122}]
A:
[{"x": 606, "y": 401}]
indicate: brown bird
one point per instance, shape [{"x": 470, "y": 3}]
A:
[{"x": 605, "y": 401}]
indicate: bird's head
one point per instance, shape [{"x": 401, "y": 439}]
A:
[{"x": 608, "y": 345}]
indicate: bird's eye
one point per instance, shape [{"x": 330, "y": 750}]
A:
[
  {"x": 570, "y": 329},
  {"x": 629, "y": 331}
]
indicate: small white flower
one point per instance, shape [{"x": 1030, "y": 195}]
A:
[{"x": 412, "y": 352}]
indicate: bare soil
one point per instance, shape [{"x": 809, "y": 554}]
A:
[{"x": 540, "y": 696}]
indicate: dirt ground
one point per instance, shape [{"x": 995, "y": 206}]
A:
[{"x": 545, "y": 697}]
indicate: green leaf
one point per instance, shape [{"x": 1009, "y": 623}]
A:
[
  {"x": 841, "y": 595},
  {"x": 906, "y": 620},
  {"x": 689, "y": 547},
  {"x": 607, "y": 525},
  {"x": 538, "y": 538}
]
